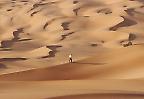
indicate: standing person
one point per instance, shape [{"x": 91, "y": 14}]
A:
[{"x": 70, "y": 58}]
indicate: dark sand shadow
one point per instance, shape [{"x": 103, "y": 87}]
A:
[
  {"x": 22, "y": 40},
  {"x": 54, "y": 47},
  {"x": 36, "y": 5},
  {"x": 75, "y": 2},
  {"x": 10, "y": 43},
  {"x": 2, "y": 66},
  {"x": 45, "y": 26},
  {"x": 49, "y": 22},
  {"x": 53, "y": 52},
  {"x": 105, "y": 11},
  {"x": 130, "y": 11},
  {"x": 5, "y": 49},
  {"x": 35, "y": 12},
  {"x": 7, "y": 43},
  {"x": 88, "y": 63},
  {"x": 16, "y": 38},
  {"x": 65, "y": 35},
  {"x": 139, "y": 44},
  {"x": 65, "y": 25},
  {"x": 16, "y": 34},
  {"x": 142, "y": 6},
  {"x": 24, "y": 1},
  {"x": 9, "y": 9},
  {"x": 93, "y": 45},
  {"x": 12, "y": 59},
  {"x": 127, "y": 22},
  {"x": 92, "y": 3}
]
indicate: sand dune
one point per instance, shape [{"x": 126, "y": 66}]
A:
[
  {"x": 36, "y": 37},
  {"x": 73, "y": 89},
  {"x": 103, "y": 66},
  {"x": 101, "y": 96}
]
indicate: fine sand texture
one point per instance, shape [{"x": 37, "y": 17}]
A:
[{"x": 105, "y": 38}]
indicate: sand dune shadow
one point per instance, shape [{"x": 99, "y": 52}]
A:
[
  {"x": 11, "y": 59},
  {"x": 127, "y": 22},
  {"x": 5, "y": 49},
  {"x": 53, "y": 52},
  {"x": 139, "y": 44},
  {"x": 6, "y": 43},
  {"x": 88, "y": 63},
  {"x": 22, "y": 40},
  {"x": 2, "y": 66}
]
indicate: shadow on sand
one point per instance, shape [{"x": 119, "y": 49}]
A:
[
  {"x": 22, "y": 40},
  {"x": 126, "y": 23},
  {"x": 12, "y": 59},
  {"x": 88, "y": 63},
  {"x": 2, "y": 66},
  {"x": 53, "y": 52},
  {"x": 5, "y": 49},
  {"x": 139, "y": 44}
]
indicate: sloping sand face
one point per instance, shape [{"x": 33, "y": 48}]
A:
[
  {"x": 73, "y": 89},
  {"x": 28, "y": 27},
  {"x": 101, "y": 96},
  {"x": 106, "y": 38}
]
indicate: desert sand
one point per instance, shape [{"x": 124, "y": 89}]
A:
[{"x": 37, "y": 36}]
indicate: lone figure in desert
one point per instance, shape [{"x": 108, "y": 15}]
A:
[{"x": 70, "y": 58}]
